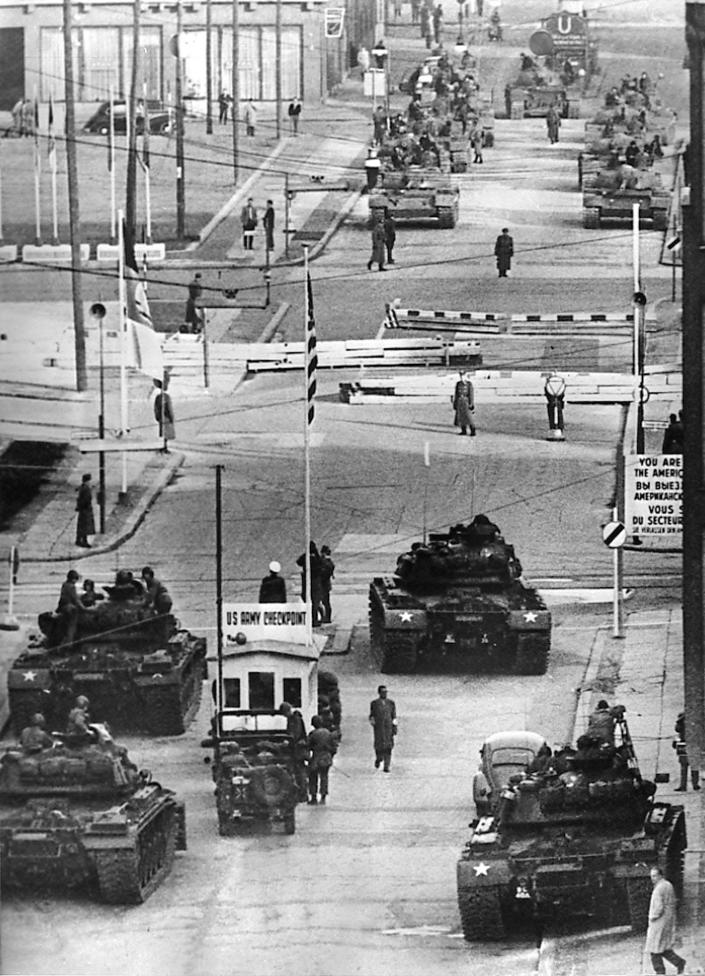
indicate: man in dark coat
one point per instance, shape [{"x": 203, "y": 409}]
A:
[
  {"x": 322, "y": 747},
  {"x": 268, "y": 224},
  {"x": 194, "y": 318},
  {"x": 327, "y": 567},
  {"x": 316, "y": 587},
  {"x": 390, "y": 235},
  {"x": 296, "y": 730},
  {"x": 378, "y": 245},
  {"x": 164, "y": 415},
  {"x": 464, "y": 405},
  {"x": 85, "y": 523},
  {"x": 682, "y": 752},
  {"x": 504, "y": 252},
  {"x": 673, "y": 436},
  {"x": 383, "y": 719},
  {"x": 272, "y": 589},
  {"x": 248, "y": 220}
]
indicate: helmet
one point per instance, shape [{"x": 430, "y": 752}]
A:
[
  {"x": 82, "y": 702},
  {"x": 38, "y": 719},
  {"x": 275, "y": 567}
]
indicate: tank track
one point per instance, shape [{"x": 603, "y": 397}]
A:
[
  {"x": 128, "y": 876},
  {"x": 532, "y": 653},
  {"x": 481, "y": 914},
  {"x": 396, "y": 652},
  {"x": 638, "y": 898}
]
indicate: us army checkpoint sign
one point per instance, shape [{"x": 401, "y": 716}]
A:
[
  {"x": 653, "y": 494},
  {"x": 265, "y": 621}
]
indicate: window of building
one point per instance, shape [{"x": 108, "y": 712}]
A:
[
  {"x": 101, "y": 66},
  {"x": 292, "y": 691},
  {"x": 261, "y": 689},
  {"x": 231, "y": 692}
]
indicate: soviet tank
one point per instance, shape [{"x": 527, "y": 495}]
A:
[
  {"x": 460, "y": 599},
  {"x": 416, "y": 194},
  {"x": 141, "y": 671},
  {"x": 80, "y": 814},
  {"x": 576, "y": 836},
  {"x": 609, "y": 196}
]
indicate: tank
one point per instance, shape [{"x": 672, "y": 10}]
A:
[
  {"x": 603, "y": 199},
  {"x": 80, "y": 814},
  {"x": 576, "y": 837},
  {"x": 140, "y": 670},
  {"x": 416, "y": 194},
  {"x": 459, "y": 599}
]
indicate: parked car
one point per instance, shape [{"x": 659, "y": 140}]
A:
[
  {"x": 501, "y": 756},
  {"x": 161, "y": 119}
]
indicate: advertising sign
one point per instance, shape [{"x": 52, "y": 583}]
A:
[{"x": 654, "y": 494}]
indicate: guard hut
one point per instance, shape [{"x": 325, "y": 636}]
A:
[{"x": 265, "y": 660}]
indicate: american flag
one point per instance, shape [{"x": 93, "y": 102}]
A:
[
  {"x": 391, "y": 320},
  {"x": 311, "y": 355},
  {"x": 147, "y": 345}
]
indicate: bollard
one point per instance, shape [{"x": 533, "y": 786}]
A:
[{"x": 554, "y": 391}]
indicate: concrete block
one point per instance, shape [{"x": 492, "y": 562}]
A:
[
  {"x": 153, "y": 252},
  {"x": 53, "y": 253},
  {"x": 8, "y": 252}
]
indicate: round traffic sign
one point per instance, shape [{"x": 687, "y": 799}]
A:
[{"x": 614, "y": 534}]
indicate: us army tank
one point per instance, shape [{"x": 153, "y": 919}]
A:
[
  {"x": 79, "y": 814},
  {"x": 141, "y": 671},
  {"x": 459, "y": 599},
  {"x": 577, "y": 836}
]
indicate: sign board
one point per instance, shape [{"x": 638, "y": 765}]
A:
[
  {"x": 614, "y": 534},
  {"x": 265, "y": 621},
  {"x": 375, "y": 83},
  {"x": 654, "y": 494},
  {"x": 335, "y": 18}
]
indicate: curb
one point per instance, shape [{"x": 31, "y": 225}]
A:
[
  {"x": 134, "y": 521},
  {"x": 332, "y": 228}
]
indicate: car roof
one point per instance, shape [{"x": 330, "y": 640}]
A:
[{"x": 514, "y": 740}]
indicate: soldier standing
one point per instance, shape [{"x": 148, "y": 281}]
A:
[
  {"x": 463, "y": 401},
  {"x": 296, "y": 730},
  {"x": 682, "y": 752},
  {"x": 553, "y": 123},
  {"x": 272, "y": 589},
  {"x": 390, "y": 235},
  {"x": 268, "y": 224},
  {"x": 504, "y": 252},
  {"x": 327, "y": 574},
  {"x": 85, "y": 522},
  {"x": 378, "y": 245},
  {"x": 383, "y": 719},
  {"x": 322, "y": 748}
]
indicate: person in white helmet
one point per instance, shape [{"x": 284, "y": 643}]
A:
[{"x": 273, "y": 587}]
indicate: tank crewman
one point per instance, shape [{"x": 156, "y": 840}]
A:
[
  {"x": 157, "y": 594},
  {"x": 33, "y": 738},
  {"x": 541, "y": 761},
  {"x": 78, "y": 721},
  {"x": 602, "y": 722},
  {"x": 69, "y": 607},
  {"x": 89, "y": 595},
  {"x": 682, "y": 753},
  {"x": 272, "y": 589},
  {"x": 296, "y": 730}
]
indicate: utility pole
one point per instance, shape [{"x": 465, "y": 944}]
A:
[
  {"x": 74, "y": 216},
  {"x": 278, "y": 66},
  {"x": 131, "y": 183},
  {"x": 693, "y": 388},
  {"x": 236, "y": 86},
  {"x": 178, "y": 93},
  {"x": 209, "y": 69}
]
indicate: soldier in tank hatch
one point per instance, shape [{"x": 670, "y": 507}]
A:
[{"x": 33, "y": 738}]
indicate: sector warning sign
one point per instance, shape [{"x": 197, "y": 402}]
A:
[{"x": 654, "y": 494}]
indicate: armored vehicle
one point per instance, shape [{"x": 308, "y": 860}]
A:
[
  {"x": 459, "y": 599},
  {"x": 606, "y": 197},
  {"x": 576, "y": 833},
  {"x": 532, "y": 100},
  {"x": 416, "y": 194},
  {"x": 78, "y": 813},
  {"x": 141, "y": 671}
]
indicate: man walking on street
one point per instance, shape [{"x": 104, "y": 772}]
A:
[
  {"x": 661, "y": 933},
  {"x": 248, "y": 219},
  {"x": 294, "y": 111},
  {"x": 383, "y": 719},
  {"x": 378, "y": 245},
  {"x": 85, "y": 522},
  {"x": 390, "y": 235},
  {"x": 464, "y": 405},
  {"x": 504, "y": 252},
  {"x": 268, "y": 224}
]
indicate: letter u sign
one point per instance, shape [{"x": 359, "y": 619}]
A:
[{"x": 565, "y": 23}]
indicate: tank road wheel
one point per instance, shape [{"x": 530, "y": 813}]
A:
[
  {"x": 481, "y": 914},
  {"x": 591, "y": 218},
  {"x": 638, "y": 898},
  {"x": 446, "y": 218},
  {"x": 659, "y": 219},
  {"x": 399, "y": 655},
  {"x": 532, "y": 653}
]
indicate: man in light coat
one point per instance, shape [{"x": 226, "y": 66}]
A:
[{"x": 661, "y": 933}]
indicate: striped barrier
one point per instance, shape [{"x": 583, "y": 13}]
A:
[{"x": 397, "y": 318}]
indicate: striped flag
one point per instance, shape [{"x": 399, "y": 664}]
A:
[
  {"x": 51, "y": 149},
  {"x": 391, "y": 320},
  {"x": 311, "y": 355},
  {"x": 37, "y": 158},
  {"x": 147, "y": 346}
]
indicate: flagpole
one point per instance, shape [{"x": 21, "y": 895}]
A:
[
  {"x": 122, "y": 301},
  {"x": 37, "y": 169},
  {"x": 1, "y": 233},
  {"x": 307, "y": 462},
  {"x": 52, "y": 164},
  {"x": 146, "y": 164},
  {"x": 111, "y": 166}
]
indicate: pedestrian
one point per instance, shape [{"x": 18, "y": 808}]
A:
[
  {"x": 661, "y": 932},
  {"x": 415, "y": 8},
  {"x": 463, "y": 401},
  {"x": 363, "y": 59},
  {"x": 250, "y": 118},
  {"x": 224, "y": 101},
  {"x": 294, "y": 112},
  {"x": 554, "y": 391},
  {"x": 397, "y": 9},
  {"x": 157, "y": 595},
  {"x": 425, "y": 22},
  {"x": 322, "y": 747},
  {"x": 673, "y": 436},
  {"x": 327, "y": 574},
  {"x": 194, "y": 315},
  {"x": 438, "y": 23},
  {"x": 268, "y": 224},
  {"x": 164, "y": 416},
  {"x": 248, "y": 219},
  {"x": 296, "y": 730},
  {"x": 378, "y": 245},
  {"x": 379, "y": 53},
  {"x": 682, "y": 753},
  {"x": 33, "y": 738},
  {"x": 29, "y": 118},
  {"x": 379, "y": 123},
  {"x": 553, "y": 124},
  {"x": 316, "y": 591},
  {"x": 17, "y": 118},
  {"x": 477, "y": 145},
  {"x": 504, "y": 252},
  {"x": 85, "y": 521},
  {"x": 390, "y": 235},
  {"x": 272, "y": 589},
  {"x": 383, "y": 719}
]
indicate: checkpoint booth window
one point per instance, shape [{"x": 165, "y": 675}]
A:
[
  {"x": 231, "y": 692},
  {"x": 260, "y": 689},
  {"x": 292, "y": 691}
]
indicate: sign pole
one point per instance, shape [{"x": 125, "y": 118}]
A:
[
  {"x": 219, "y": 595},
  {"x": 617, "y": 571}
]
